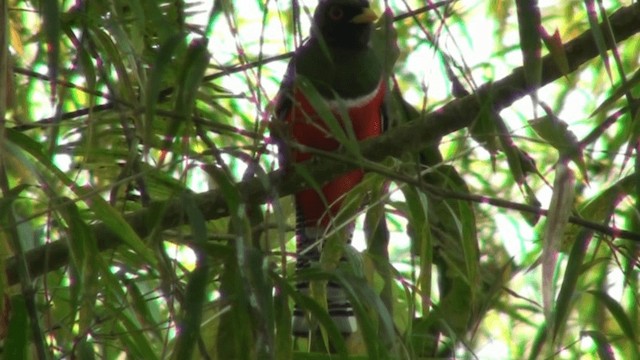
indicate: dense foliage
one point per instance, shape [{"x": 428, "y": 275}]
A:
[{"x": 143, "y": 213}]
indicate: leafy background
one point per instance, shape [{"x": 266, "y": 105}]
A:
[{"x": 140, "y": 216}]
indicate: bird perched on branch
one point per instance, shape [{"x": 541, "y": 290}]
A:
[{"x": 334, "y": 78}]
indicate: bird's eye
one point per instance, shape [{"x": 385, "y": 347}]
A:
[{"x": 335, "y": 12}]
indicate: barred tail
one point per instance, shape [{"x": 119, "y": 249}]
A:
[{"x": 338, "y": 305}]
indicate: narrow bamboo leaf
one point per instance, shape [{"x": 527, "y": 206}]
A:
[
  {"x": 556, "y": 48},
  {"x": 116, "y": 223},
  {"x": 84, "y": 250},
  {"x": 85, "y": 349},
  {"x": 461, "y": 222},
  {"x": 236, "y": 209},
  {"x": 538, "y": 342},
  {"x": 529, "y": 23},
  {"x": 605, "y": 350},
  {"x": 531, "y": 198},
  {"x": 234, "y": 335},
  {"x": 623, "y": 320},
  {"x": 113, "y": 291},
  {"x": 88, "y": 69},
  {"x": 598, "y": 36},
  {"x": 148, "y": 312},
  {"x": 16, "y": 342},
  {"x": 248, "y": 266},
  {"x": 618, "y": 92},
  {"x": 610, "y": 39},
  {"x": 193, "y": 68},
  {"x": 132, "y": 337},
  {"x": 162, "y": 62},
  {"x": 128, "y": 329},
  {"x": 378, "y": 237},
  {"x": 557, "y": 134},
  {"x": 421, "y": 237},
  {"x": 110, "y": 217},
  {"x": 191, "y": 313},
  {"x": 315, "y": 310},
  {"x": 569, "y": 283},
  {"x": 261, "y": 296},
  {"x": 321, "y": 107},
  {"x": 469, "y": 245},
  {"x": 455, "y": 308},
  {"x": 195, "y": 293},
  {"x": 483, "y": 130},
  {"x": 362, "y": 298},
  {"x": 557, "y": 220},
  {"x": 284, "y": 343},
  {"x": 384, "y": 41},
  {"x": 197, "y": 223},
  {"x": 513, "y": 158},
  {"x": 599, "y": 208},
  {"x": 115, "y": 56}
]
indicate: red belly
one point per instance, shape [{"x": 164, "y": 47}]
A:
[{"x": 309, "y": 129}]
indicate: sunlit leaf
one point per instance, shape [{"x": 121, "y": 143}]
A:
[
  {"x": 556, "y": 132},
  {"x": 619, "y": 314},
  {"x": 554, "y": 44},
  {"x": 564, "y": 301},
  {"x": 598, "y": 35},
  {"x": 558, "y": 216}
]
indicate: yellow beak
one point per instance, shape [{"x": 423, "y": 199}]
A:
[{"x": 367, "y": 16}]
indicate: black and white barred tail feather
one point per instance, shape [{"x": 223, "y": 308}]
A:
[{"x": 309, "y": 245}]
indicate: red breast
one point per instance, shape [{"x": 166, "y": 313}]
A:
[{"x": 308, "y": 129}]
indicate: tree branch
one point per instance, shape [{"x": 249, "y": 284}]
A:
[{"x": 410, "y": 137}]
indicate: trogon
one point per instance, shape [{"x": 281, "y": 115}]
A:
[{"x": 339, "y": 62}]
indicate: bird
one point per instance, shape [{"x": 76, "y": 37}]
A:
[{"x": 339, "y": 62}]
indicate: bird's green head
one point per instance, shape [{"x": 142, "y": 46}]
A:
[{"x": 343, "y": 23}]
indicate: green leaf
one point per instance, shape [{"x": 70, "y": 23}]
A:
[
  {"x": 362, "y": 297},
  {"x": 605, "y": 350},
  {"x": 422, "y": 238},
  {"x": 598, "y": 35},
  {"x": 599, "y": 208},
  {"x": 619, "y": 91},
  {"x": 16, "y": 342},
  {"x": 569, "y": 283},
  {"x": 384, "y": 42},
  {"x": 558, "y": 135},
  {"x": 162, "y": 63},
  {"x": 529, "y": 23},
  {"x": 556, "y": 48},
  {"x": 112, "y": 52},
  {"x": 315, "y": 310},
  {"x": 557, "y": 220},
  {"x": 194, "y": 65},
  {"x": 344, "y": 135},
  {"x": 102, "y": 210},
  {"x": 131, "y": 336},
  {"x": 284, "y": 343},
  {"x": 532, "y": 200},
  {"x": 621, "y": 317},
  {"x": 84, "y": 250},
  {"x": 195, "y": 293},
  {"x": 51, "y": 17},
  {"x": 484, "y": 131},
  {"x": 538, "y": 342}
]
